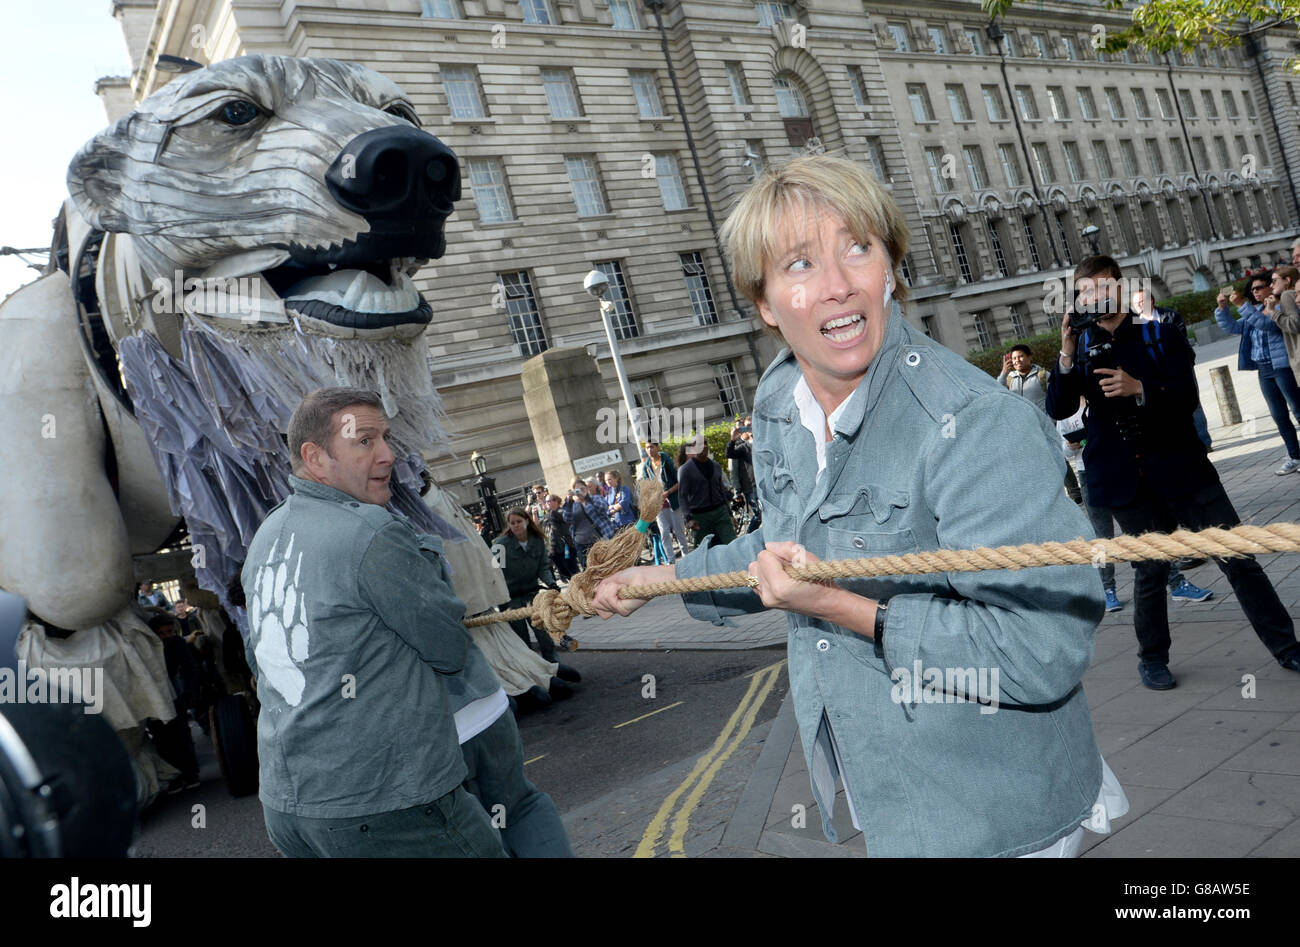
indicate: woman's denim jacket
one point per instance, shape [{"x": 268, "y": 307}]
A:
[{"x": 931, "y": 453}]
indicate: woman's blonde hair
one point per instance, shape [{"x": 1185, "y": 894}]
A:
[{"x": 797, "y": 191}]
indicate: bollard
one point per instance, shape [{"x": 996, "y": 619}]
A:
[{"x": 1225, "y": 394}]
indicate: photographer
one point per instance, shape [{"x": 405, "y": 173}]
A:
[{"x": 1143, "y": 459}]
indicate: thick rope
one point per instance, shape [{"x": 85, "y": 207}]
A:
[{"x": 554, "y": 610}]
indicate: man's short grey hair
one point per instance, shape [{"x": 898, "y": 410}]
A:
[{"x": 313, "y": 419}]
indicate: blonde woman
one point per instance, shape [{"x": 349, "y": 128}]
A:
[{"x": 950, "y": 705}]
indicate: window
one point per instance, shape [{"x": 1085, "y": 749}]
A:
[
  {"x": 1010, "y": 44},
  {"x": 858, "y": 86},
  {"x": 1200, "y": 58},
  {"x": 928, "y": 326},
  {"x": 899, "y": 32},
  {"x": 464, "y": 97},
  {"x": 1010, "y": 159},
  {"x": 959, "y": 249},
  {"x": 1064, "y": 231},
  {"x": 876, "y": 154},
  {"x": 697, "y": 287},
  {"x": 670, "y": 182},
  {"x": 1164, "y": 103},
  {"x": 975, "y": 170},
  {"x": 1175, "y": 211},
  {"x": 1198, "y": 148},
  {"x": 646, "y": 90},
  {"x": 769, "y": 13},
  {"x": 1129, "y": 154},
  {"x": 1114, "y": 103},
  {"x": 790, "y": 99},
  {"x": 561, "y": 93},
  {"x": 976, "y": 42},
  {"x": 934, "y": 160},
  {"x": 1101, "y": 155},
  {"x": 995, "y": 242},
  {"x": 1229, "y": 104},
  {"x": 937, "y": 39},
  {"x": 739, "y": 87},
  {"x": 1071, "y": 47},
  {"x": 1043, "y": 162},
  {"x": 1019, "y": 320},
  {"x": 919, "y": 97},
  {"x": 1207, "y": 100},
  {"x": 537, "y": 12},
  {"x": 1189, "y": 107},
  {"x": 624, "y": 14},
  {"x": 645, "y": 395},
  {"x": 993, "y": 103},
  {"x": 1031, "y": 241},
  {"x": 1087, "y": 104},
  {"x": 1073, "y": 161},
  {"x": 981, "y": 320},
  {"x": 585, "y": 181},
  {"x": 441, "y": 9},
  {"x": 1028, "y": 107},
  {"x": 1180, "y": 155},
  {"x": 1056, "y": 103},
  {"x": 1040, "y": 43},
  {"x": 1153, "y": 58},
  {"x": 1221, "y": 146},
  {"x": 1154, "y": 158},
  {"x": 1250, "y": 103},
  {"x": 957, "y": 103},
  {"x": 521, "y": 311},
  {"x": 1261, "y": 150},
  {"x": 487, "y": 179},
  {"x": 729, "y": 393},
  {"x": 1242, "y": 147},
  {"x": 622, "y": 319},
  {"x": 1140, "y": 105}
]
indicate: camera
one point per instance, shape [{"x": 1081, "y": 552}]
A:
[
  {"x": 1100, "y": 353},
  {"x": 1084, "y": 316}
]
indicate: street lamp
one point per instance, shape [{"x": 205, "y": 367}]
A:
[
  {"x": 597, "y": 284},
  {"x": 1090, "y": 233},
  {"x": 487, "y": 490}
]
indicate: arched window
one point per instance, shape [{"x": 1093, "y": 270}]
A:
[{"x": 792, "y": 100}]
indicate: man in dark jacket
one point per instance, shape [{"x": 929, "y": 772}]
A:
[
  {"x": 1144, "y": 461},
  {"x": 705, "y": 497},
  {"x": 740, "y": 451}
]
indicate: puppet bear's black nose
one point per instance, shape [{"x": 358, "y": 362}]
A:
[{"x": 395, "y": 172}]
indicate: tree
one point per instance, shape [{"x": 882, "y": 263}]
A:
[{"x": 1165, "y": 25}]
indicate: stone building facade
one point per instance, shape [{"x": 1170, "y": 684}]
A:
[{"x": 575, "y": 155}]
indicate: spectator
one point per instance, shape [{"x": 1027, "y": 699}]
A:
[
  {"x": 1022, "y": 377},
  {"x": 740, "y": 451},
  {"x": 622, "y": 504},
  {"x": 705, "y": 495},
  {"x": 1147, "y": 311},
  {"x": 564, "y": 560},
  {"x": 1295, "y": 254},
  {"x": 587, "y": 516},
  {"x": 150, "y": 597},
  {"x": 1285, "y": 312},
  {"x": 1263, "y": 350},
  {"x": 1145, "y": 462},
  {"x": 537, "y": 503},
  {"x": 173, "y": 739},
  {"x": 362, "y": 597},
  {"x": 1072, "y": 434},
  {"x": 526, "y": 568},
  {"x": 671, "y": 523}
]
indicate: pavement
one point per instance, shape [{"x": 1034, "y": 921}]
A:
[{"x": 1211, "y": 768}]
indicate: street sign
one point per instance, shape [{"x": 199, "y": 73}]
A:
[{"x": 595, "y": 461}]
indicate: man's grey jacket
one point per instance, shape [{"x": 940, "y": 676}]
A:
[{"x": 358, "y": 644}]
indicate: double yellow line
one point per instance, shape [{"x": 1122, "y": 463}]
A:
[{"x": 732, "y": 735}]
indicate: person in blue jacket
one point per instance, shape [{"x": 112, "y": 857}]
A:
[{"x": 1263, "y": 350}]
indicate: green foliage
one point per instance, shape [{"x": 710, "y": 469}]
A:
[
  {"x": 1164, "y": 25},
  {"x": 718, "y": 436}
]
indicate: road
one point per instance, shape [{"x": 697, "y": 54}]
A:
[{"x": 645, "y": 728}]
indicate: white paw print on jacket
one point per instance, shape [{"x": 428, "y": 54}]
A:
[{"x": 279, "y": 616}]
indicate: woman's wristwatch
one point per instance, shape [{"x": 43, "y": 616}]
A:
[{"x": 879, "y": 632}]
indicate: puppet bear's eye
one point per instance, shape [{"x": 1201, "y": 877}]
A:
[
  {"x": 239, "y": 112},
  {"x": 403, "y": 112}
]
